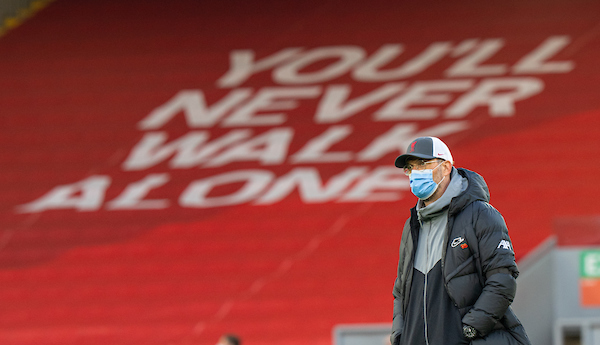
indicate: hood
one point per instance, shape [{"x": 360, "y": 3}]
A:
[
  {"x": 456, "y": 186},
  {"x": 476, "y": 190}
]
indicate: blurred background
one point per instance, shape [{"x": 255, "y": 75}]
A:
[{"x": 171, "y": 171}]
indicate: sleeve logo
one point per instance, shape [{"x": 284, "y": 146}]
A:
[{"x": 505, "y": 245}]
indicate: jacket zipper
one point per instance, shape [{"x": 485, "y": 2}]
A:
[{"x": 425, "y": 285}]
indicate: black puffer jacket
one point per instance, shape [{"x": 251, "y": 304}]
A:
[{"x": 483, "y": 288}]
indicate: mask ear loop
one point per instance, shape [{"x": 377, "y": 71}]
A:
[
  {"x": 437, "y": 166},
  {"x": 437, "y": 185}
]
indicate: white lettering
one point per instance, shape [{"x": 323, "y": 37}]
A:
[
  {"x": 346, "y": 56},
  {"x": 422, "y": 92},
  {"x": 151, "y": 150},
  {"x": 85, "y": 195},
  {"x": 132, "y": 198},
  {"x": 535, "y": 62},
  {"x": 310, "y": 186},
  {"x": 315, "y": 149},
  {"x": 270, "y": 98},
  {"x": 190, "y": 156},
  {"x": 268, "y": 148},
  {"x": 369, "y": 189},
  {"x": 397, "y": 139},
  {"x": 193, "y": 105},
  {"x": 369, "y": 71},
  {"x": 243, "y": 65},
  {"x": 470, "y": 64},
  {"x": 197, "y": 193},
  {"x": 464, "y": 47},
  {"x": 335, "y": 106},
  {"x": 500, "y": 103},
  {"x": 189, "y": 150}
]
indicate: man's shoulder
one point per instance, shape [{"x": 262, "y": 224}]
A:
[
  {"x": 480, "y": 206},
  {"x": 481, "y": 211},
  {"x": 487, "y": 217},
  {"x": 486, "y": 209}
]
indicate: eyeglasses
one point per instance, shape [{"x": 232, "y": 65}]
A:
[{"x": 419, "y": 165}]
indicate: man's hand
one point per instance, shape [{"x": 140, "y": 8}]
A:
[{"x": 469, "y": 332}]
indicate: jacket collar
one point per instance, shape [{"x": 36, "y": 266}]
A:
[
  {"x": 476, "y": 190},
  {"x": 455, "y": 187}
]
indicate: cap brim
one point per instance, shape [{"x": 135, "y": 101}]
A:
[{"x": 401, "y": 160}]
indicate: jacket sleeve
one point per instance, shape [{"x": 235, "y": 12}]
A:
[
  {"x": 398, "y": 291},
  {"x": 398, "y": 320},
  {"x": 498, "y": 267}
]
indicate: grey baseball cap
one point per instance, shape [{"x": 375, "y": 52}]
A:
[{"x": 426, "y": 148}]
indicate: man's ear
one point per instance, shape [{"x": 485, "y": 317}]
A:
[{"x": 447, "y": 168}]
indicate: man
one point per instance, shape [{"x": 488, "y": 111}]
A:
[
  {"x": 457, "y": 270},
  {"x": 229, "y": 339}
]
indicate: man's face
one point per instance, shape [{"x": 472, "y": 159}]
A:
[
  {"x": 421, "y": 164},
  {"x": 440, "y": 167}
]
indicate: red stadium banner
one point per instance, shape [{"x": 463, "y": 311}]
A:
[{"x": 256, "y": 127}]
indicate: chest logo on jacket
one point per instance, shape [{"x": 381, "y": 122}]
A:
[{"x": 457, "y": 241}]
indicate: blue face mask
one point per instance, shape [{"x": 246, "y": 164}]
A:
[{"x": 422, "y": 184}]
